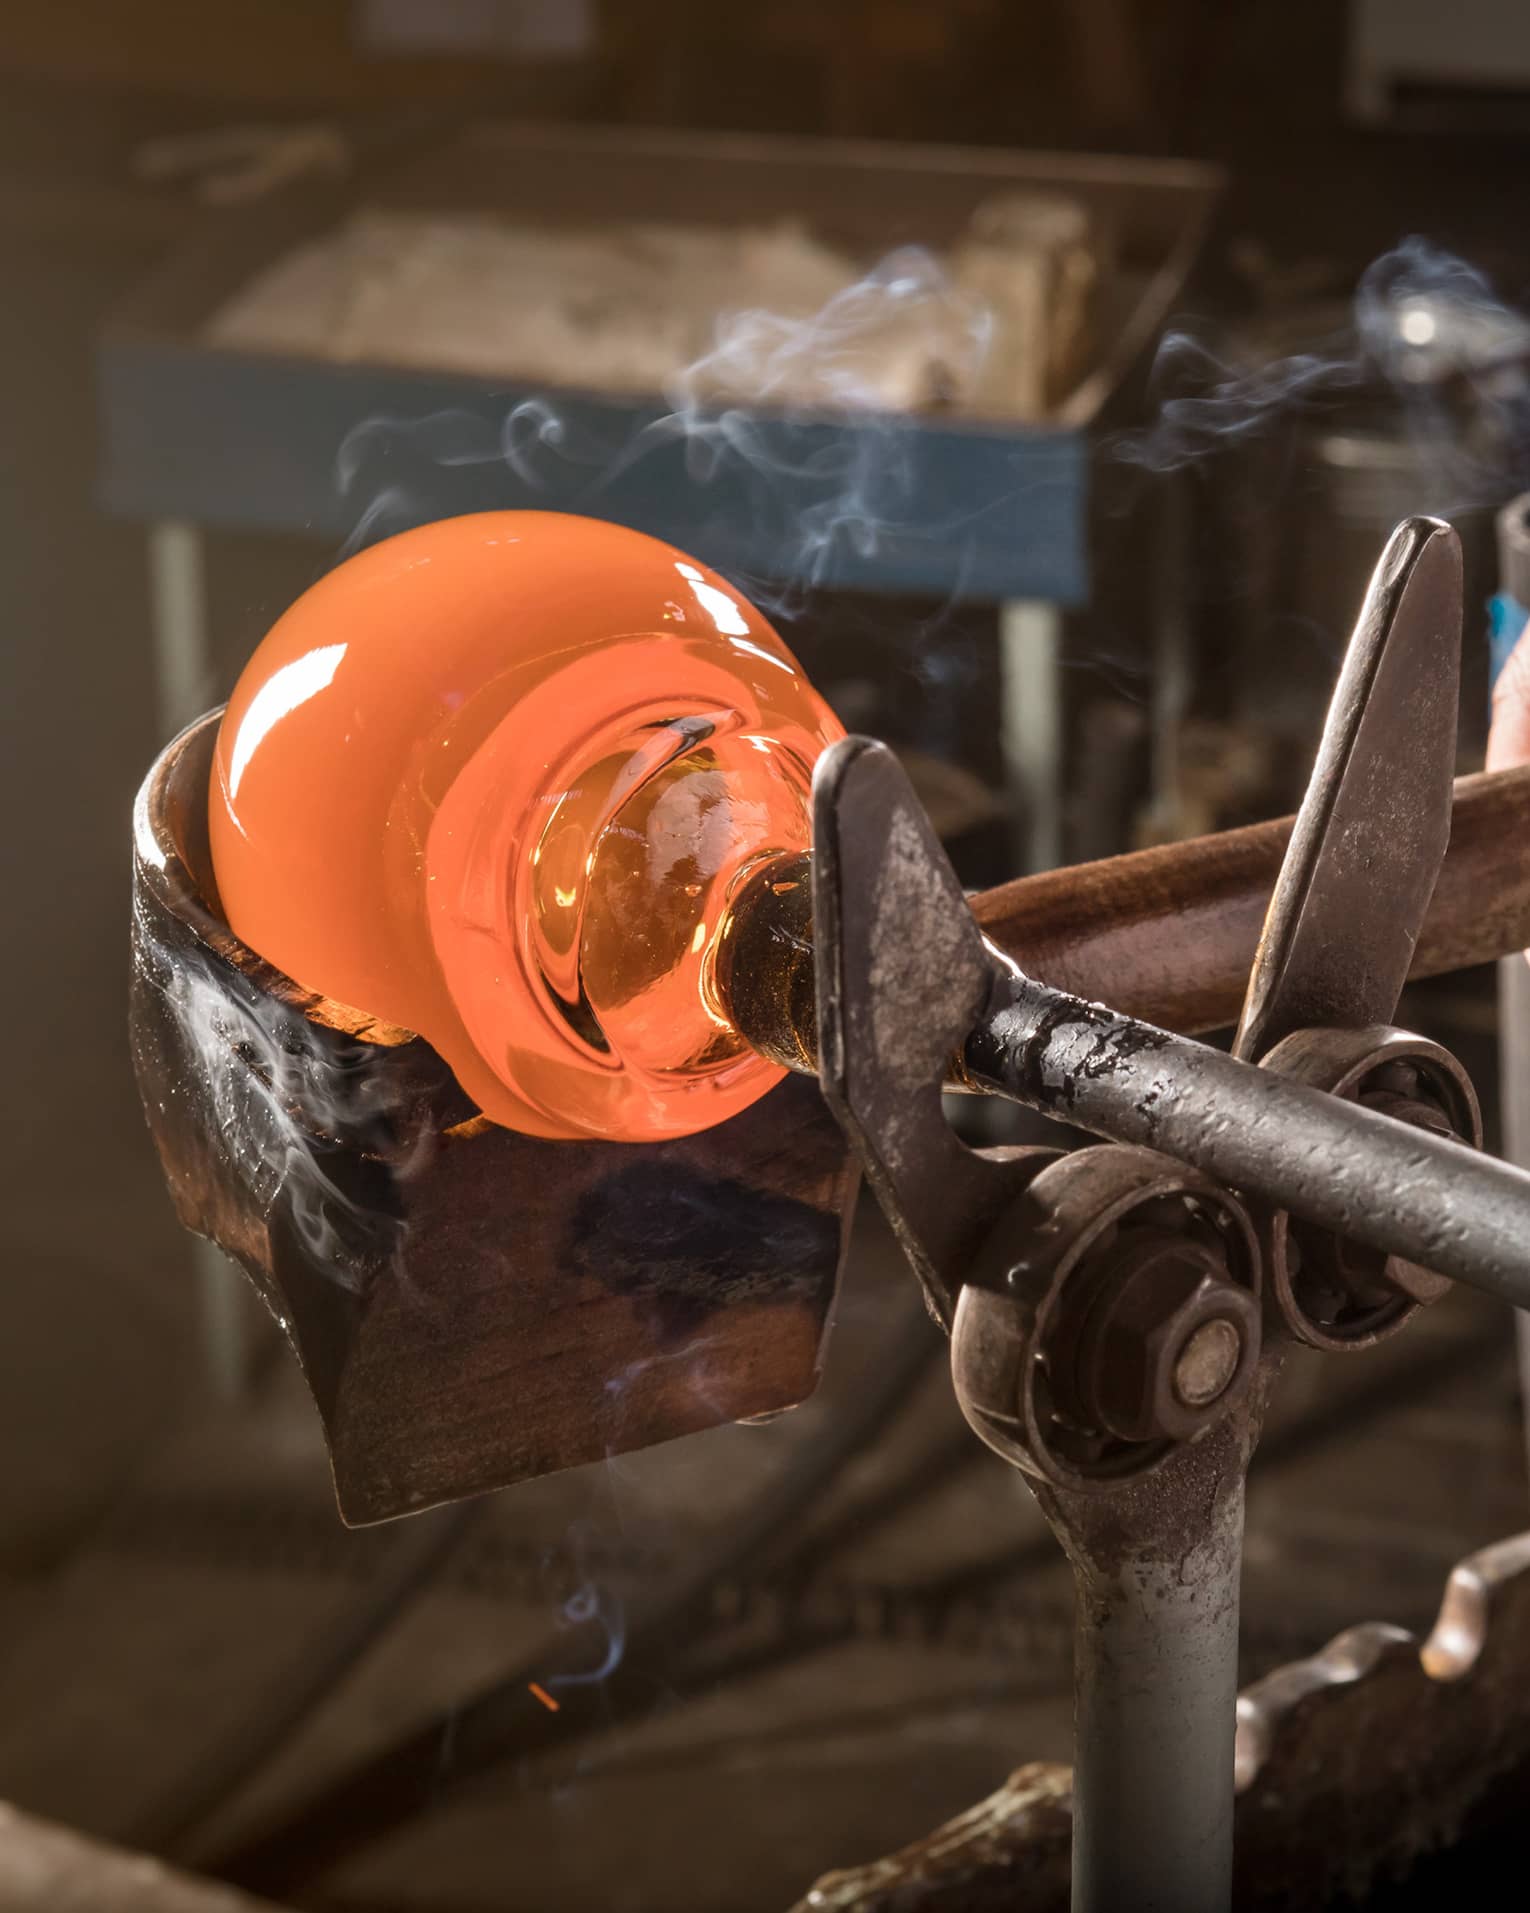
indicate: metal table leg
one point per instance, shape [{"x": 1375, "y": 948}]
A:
[
  {"x": 183, "y": 681},
  {"x": 1030, "y": 667},
  {"x": 178, "y": 601}
]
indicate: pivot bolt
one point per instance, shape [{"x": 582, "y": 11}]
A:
[
  {"x": 1207, "y": 1363},
  {"x": 1169, "y": 1341}
]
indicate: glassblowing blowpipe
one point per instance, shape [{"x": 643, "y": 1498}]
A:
[{"x": 510, "y": 781}]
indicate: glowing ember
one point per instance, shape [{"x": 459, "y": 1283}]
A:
[{"x": 498, "y": 780}]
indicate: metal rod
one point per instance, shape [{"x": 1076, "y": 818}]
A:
[
  {"x": 1155, "y": 1676},
  {"x": 1371, "y": 1179}
]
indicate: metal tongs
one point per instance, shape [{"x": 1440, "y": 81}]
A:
[{"x": 1118, "y": 1314}]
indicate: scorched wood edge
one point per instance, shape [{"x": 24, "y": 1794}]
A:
[{"x": 471, "y": 1307}]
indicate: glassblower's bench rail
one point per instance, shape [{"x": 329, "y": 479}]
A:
[{"x": 1116, "y": 1314}]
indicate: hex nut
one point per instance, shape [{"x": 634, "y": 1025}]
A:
[{"x": 1141, "y": 1371}]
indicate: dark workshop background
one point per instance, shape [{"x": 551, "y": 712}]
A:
[{"x": 167, "y": 1551}]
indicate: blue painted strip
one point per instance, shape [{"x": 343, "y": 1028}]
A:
[
  {"x": 873, "y": 503},
  {"x": 1507, "y": 619}
]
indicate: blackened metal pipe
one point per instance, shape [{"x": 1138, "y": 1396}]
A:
[{"x": 1364, "y": 1175}]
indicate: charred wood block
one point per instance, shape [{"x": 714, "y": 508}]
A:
[{"x": 471, "y": 1307}]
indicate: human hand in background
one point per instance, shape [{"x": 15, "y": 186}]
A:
[{"x": 1509, "y": 733}]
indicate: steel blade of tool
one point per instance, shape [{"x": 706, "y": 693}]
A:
[
  {"x": 901, "y": 975},
  {"x": 1373, "y": 827}
]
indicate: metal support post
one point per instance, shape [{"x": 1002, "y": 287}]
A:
[
  {"x": 183, "y": 683},
  {"x": 1155, "y": 1680},
  {"x": 1030, "y": 667}
]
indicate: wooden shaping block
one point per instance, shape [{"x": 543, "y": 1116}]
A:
[{"x": 471, "y": 1307}]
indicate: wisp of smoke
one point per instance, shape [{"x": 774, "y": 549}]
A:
[
  {"x": 901, "y": 335},
  {"x": 1430, "y": 339},
  {"x": 596, "y": 1608},
  {"x": 1424, "y": 316},
  {"x": 1203, "y": 403},
  {"x": 286, "y": 1113},
  {"x": 759, "y": 416}
]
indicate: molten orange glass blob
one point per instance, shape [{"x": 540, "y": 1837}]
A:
[{"x": 498, "y": 780}]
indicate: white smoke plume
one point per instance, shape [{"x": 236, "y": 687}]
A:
[
  {"x": 760, "y": 407},
  {"x": 598, "y": 1607},
  {"x": 286, "y": 1113},
  {"x": 1430, "y": 340}
]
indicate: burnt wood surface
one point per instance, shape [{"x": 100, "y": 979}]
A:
[{"x": 471, "y": 1306}]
